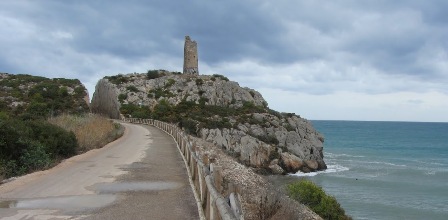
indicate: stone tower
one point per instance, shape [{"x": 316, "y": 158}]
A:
[{"x": 190, "y": 57}]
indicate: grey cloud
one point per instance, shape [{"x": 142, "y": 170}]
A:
[{"x": 398, "y": 39}]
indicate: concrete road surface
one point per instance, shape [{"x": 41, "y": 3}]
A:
[{"x": 139, "y": 176}]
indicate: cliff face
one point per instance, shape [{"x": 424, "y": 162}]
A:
[
  {"x": 105, "y": 99},
  {"x": 219, "y": 111}
]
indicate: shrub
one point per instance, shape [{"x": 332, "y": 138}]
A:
[
  {"x": 34, "y": 158},
  {"x": 189, "y": 126},
  {"x": 162, "y": 111},
  {"x": 154, "y": 74},
  {"x": 212, "y": 124},
  {"x": 122, "y": 97},
  {"x": 135, "y": 111},
  {"x": 252, "y": 93},
  {"x": 37, "y": 110},
  {"x": 159, "y": 92},
  {"x": 169, "y": 83},
  {"x": 132, "y": 88},
  {"x": 289, "y": 127},
  {"x": 276, "y": 113},
  {"x": 203, "y": 100},
  {"x": 119, "y": 79},
  {"x": 27, "y": 146},
  {"x": 315, "y": 198},
  {"x": 57, "y": 141},
  {"x": 199, "y": 82},
  {"x": 268, "y": 139},
  {"x": 221, "y": 77},
  {"x": 80, "y": 92}
]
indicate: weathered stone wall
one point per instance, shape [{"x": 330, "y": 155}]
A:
[
  {"x": 190, "y": 57},
  {"x": 105, "y": 99}
]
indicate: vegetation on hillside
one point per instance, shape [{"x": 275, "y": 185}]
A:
[
  {"x": 317, "y": 200},
  {"x": 192, "y": 116},
  {"x": 34, "y": 97},
  {"x": 26, "y": 146},
  {"x": 29, "y": 140}
]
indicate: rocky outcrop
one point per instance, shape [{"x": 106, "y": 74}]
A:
[
  {"x": 214, "y": 90},
  {"x": 299, "y": 147},
  {"x": 105, "y": 99},
  {"x": 262, "y": 139}
]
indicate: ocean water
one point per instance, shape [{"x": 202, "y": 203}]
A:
[{"x": 386, "y": 170}]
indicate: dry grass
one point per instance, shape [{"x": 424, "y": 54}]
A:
[{"x": 91, "y": 131}]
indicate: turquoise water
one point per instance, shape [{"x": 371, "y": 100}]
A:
[{"x": 386, "y": 170}]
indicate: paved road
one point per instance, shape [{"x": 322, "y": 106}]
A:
[{"x": 139, "y": 176}]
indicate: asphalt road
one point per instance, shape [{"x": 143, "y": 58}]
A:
[{"x": 139, "y": 176}]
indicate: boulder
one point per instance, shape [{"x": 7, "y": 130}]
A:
[
  {"x": 276, "y": 169},
  {"x": 312, "y": 164},
  {"x": 291, "y": 163}
]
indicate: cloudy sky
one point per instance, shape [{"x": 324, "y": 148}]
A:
[{"x": 342, "y": 59}]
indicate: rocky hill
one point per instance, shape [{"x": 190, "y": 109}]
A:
[
  {"x": 38, "y": 97},
  {"x": 219, "y": 111}
]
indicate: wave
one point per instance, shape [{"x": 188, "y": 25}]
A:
[
  {"x": 334, "y": 155},
  {"x": 385, "y": 163},
  {"x": 430, "y": 172},
  {"x": 330, "y": 169}
]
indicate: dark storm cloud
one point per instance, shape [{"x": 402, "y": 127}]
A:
[
  {"x": 227, "y": 30},
  {"x": 385, "y": 37}
]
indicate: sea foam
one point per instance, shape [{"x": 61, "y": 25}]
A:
[{"x": 330, "y": 169}]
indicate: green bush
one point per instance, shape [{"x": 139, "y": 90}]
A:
[
  {"x": 199, "y": 82},
  {"x": 35, "y": 157},
  {"x": 132, "y": 88},
  {"x": 117, "y": 80},
  {"x": 122, "y": 97},
  {"x": 27, "y": 146},
  {"x": 212, "y": 124},
  {"x": 221, "y": 77},
  {"x": 189, "y": 126},
  {"x": 169, "y": 83},
  {"x": 80, "y": 92},
  {"x": 159, "y": 92},
  {"x": 154, "y": 74},
  {"x": 135, "y": 111},
  {"x": 269, "y": 139},
  {"x": 317, "y": 200},
  {"x": 57, "y": 141},
  {"x": 203, "y": 100},
  {"x": 163, "y": 111}
]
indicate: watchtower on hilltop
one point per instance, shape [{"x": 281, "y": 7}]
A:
[{"x": 190, "y": 57}]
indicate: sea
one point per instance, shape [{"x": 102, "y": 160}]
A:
[{"x": 385, "y": 170}]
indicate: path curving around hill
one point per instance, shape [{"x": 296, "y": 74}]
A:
[{"x": 139, "y": 176}]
